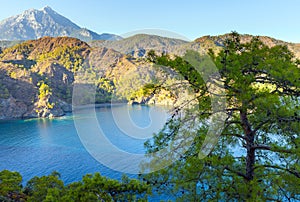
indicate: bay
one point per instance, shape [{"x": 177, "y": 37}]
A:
[{"x": 38, "y": 147}]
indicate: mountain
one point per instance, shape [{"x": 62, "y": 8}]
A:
[
  {"x": 216, "y": 42},
  {"x": 35, "y": 83},
  {"x": 88, "y": 35},
  {"x": 139, "y": 44},
  {"x": 34, "y": 24},
  {"x": 37, "y": 76}
]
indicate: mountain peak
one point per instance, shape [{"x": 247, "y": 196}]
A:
[
  {"x": 28, "y": 11},
  {"x": 47, "y": 9},
  {"x": 33, "y": 24}
]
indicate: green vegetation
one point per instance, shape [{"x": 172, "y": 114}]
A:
[
  {"x": 51, "y": 71},
  {"x": 257, "y": 155},
  {"x": 51, "y": 188},
  {"x": 10, "y": 186},
  {"x": 63, "y": 92},
  {"x": 4, "y": 93},
  {"x": 23, "y": 64},
  {"x": 23, "y": 49},
  {"x": 45, "y": 93},
  {"x": 105, "y": 90},
  {"x": 129, "y": 83},
  {"x": 66, "y": 56},
  {"x": 13, "y": 75},
  {"x": 44, "y": 90},
  {"x": 146, "y": 90}
]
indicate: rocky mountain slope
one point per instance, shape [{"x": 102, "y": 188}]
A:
[
  {"x": 34, "y": 24},
  {"x": 218, "y": 41},
  {"x": 138, "y": 45},
  {"x": 37, "y": 77},
  {"x": 34, "y": 84}
]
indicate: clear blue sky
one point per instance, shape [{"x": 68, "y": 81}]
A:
[{"x": 190, "y": 18}]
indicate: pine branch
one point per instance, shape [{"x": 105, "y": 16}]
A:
[
  {"x": 293, "y": 172},
  {"x": 236, "y": 172},
  {"x": 269, "y": 148}
]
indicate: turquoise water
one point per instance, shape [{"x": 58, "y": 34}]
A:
[{"x": 39, "y": 146}]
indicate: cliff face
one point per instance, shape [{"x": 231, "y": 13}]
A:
[
  {"x": 33, "y": 82},
  {"x": 21, "y": 95},
  {"x": 16, "y": 97}
]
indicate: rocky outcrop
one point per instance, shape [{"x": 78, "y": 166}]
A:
[
  {"x": 20, "y": 99},
  {"x": 12, "y": 109}
]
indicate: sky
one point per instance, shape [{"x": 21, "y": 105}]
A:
[{"x": 188, "y": 18}]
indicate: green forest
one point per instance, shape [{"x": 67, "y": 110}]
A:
[
  {"x": 51, "y": 188},
  {"x": 256, "y": 157}
]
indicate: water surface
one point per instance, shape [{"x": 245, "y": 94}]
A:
[{"x": 38, "y": 147}]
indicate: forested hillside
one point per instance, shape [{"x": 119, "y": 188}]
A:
[{"x": 37, "y": 76}]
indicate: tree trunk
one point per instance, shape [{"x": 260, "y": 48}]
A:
[{"x": 250, "y": 158}]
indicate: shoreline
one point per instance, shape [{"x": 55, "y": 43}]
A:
[
  {"x": 80, "y": 107},
  {"x": 97, "y": 105}
]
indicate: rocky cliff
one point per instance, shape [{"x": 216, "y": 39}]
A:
[{"x": 34, "y": 83}]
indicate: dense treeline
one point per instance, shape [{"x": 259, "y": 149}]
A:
[{"x": 51, "y": 188}]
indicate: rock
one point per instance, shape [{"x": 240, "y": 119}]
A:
[
  {"x": 66, "y": 107},
  {"x": 11, "y": 109}
]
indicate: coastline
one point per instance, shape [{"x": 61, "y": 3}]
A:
[
  {"x": 97, "y": 105},
  {"x": 81, "y": 107}
]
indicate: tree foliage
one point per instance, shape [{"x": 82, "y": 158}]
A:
[
  {"x": 67, "y": 56},
  {"x": 23, "y": 49},
  {"x": 51, "y": 188},
  {"x": 10, "y": 185},
  {"x": 258, "y": 153}
]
